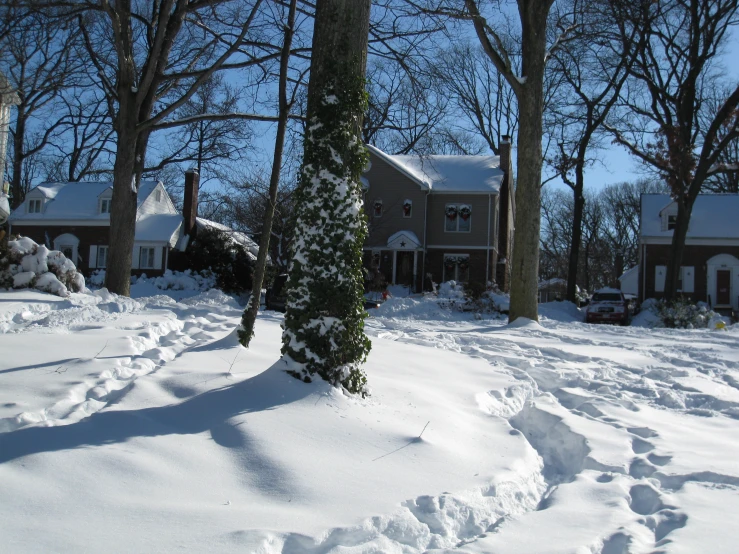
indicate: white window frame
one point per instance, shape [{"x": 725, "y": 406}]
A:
[
  {"x": 150, "y": 254},
  {"x": 410, "y": 214},
  {"x": 35, "y": 206},
  {"x": 457, "y": 219},
  {"x": 102, "y": 248},
  {"x": 105, "y": 202}
]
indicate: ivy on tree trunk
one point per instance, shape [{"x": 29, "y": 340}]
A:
[{"x": 324, "y": 323}]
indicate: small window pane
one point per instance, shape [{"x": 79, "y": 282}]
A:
[
  {"x": 102, "y": 260},
  {"x": 464, "y": 225},
  {"x": 105, "y": 206}
]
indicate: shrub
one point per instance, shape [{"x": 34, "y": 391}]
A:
[
  {"x": 683, "y": 314},
  {"x": 25, "y": 264},
  {"x": 231, "y": 264}
]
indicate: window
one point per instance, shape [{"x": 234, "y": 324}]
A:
[
  {"x": 407, "y": 208},
  {"x": 377, "y": 208},
  {"x": 68, "y": 251},
  {"x": 105, "y": 206},
  {"x": 671, "y": 222},
  {"x": 458, "y": 218},
  {"x": 457, "y": 267},
  {"x": 102, "y": 256},
  {"x": 34, "y": 206},
  {"x": 146, "y": 258},
  {"x": 159, "y": 195}
]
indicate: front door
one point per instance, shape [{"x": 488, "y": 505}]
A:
[
  {"x": 723, "y": 287},
  {"x": 404, "y": 273}
]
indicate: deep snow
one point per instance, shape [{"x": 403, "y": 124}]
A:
[{"x": 141, "y": 425}]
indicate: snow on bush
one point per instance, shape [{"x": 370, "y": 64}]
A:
[
  {"x": 171, "y": 280},
  {"x": 681, "y": 314},
  {"x": 26, "y": 264}
]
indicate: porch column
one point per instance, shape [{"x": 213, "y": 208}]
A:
[{"x": 395, "y": 264}]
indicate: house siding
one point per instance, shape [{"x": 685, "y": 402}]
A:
[
  {"x": 696, "y": 256},
  {"x": 388, "y": 184},
  {"x": 151, "y": 206}
]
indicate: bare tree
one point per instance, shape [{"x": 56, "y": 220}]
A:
[
  {"x": 592, "y": 70},
  {"x": 250, "y": 313},
  {"x": 39, "y": 62},
  {"x": 478, "y": 92},
  {"x": 666, "y": 124},
  {"x": 151, "y": 60}
]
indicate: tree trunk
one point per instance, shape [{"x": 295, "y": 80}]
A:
[
  {"x": 525, "y": 263},
  {"x": 324, "y": 322},
  {"x": 579, "y": 208},
  {"x": 16, "y": 187},
  {"x": 250, "y": 313},
  {"x": 684, "y": 209}
]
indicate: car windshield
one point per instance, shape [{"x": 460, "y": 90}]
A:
[{"x": 606, "y": 297}]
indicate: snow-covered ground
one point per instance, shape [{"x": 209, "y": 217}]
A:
[{"x": 140, "y": 425}]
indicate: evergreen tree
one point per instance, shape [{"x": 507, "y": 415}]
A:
[{"x": 324, "y": 322}]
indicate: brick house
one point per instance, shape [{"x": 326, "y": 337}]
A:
[
  {"x": 710, "y": 265},
  {"x": 450, "y": 217},
  {"x": 75, "y": 219}
]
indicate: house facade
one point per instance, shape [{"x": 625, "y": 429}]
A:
[
  {"x": 439, "y": 218},
  {"x": 710, "y": 266},
  {"x": 74, "y": 218}
]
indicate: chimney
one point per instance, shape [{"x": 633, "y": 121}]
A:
[
  {"x": 190, "y": 203},
  {"x": 505, "y": 153}
]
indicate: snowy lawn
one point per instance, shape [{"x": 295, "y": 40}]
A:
[{"x": 140, "y": 425}]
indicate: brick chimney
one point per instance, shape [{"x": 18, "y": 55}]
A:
[
  {"x": 190, "y": 203},
  {"x": 505, "y": 153}
]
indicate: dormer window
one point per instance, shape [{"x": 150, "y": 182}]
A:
[
  {"x": 34, "y": 206},
  {"x": 105, "y": 206},
  {"x": 159, "y": 195},
  {"x": 671, "y": 222}
]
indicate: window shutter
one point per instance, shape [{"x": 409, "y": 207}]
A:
[
  {"x": 688, "y": 278},
  {"x": 136, "y": 256},
  {"x": 157, "y": 257},
  {"x": 659, "y": 278},
  {"x": 93, "y": 261}
]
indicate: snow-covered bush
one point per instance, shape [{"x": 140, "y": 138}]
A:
[
  {"x": 26, "y": 264},
  {"x": 171, "y": 280},
  {"x": 471, "y": 297},
  {"x": 682, "y": 314}
]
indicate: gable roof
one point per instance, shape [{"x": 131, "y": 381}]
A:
[
  {"x": 472, "y": 174},
  {"x": 714, "y": 216},
  {"x": 73, "y": 201}
]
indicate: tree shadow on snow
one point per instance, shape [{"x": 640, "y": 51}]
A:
[{"x": 210, "y": 411}]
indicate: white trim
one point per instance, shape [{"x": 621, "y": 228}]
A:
[
  {"x": 68, "y": 239},
  {"x": 395, "y": 264},
  {"x": 725, "y": 262},
  {"x": 41, "y": 222},
  {"x": 703, "y": 241}
]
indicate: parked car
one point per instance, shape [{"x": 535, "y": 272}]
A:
[
  {"x": 276, "y": 296},
  {"x": 608, "y": 306}
]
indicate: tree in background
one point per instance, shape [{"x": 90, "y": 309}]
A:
[
  {"x": 324, "y": 322},
  {"x": 668, "y": 121},
  {"x": 591, "y": 69},
  {"x": 39, "y": 61}
]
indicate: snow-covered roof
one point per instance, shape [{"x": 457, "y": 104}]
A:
[
  {"x": 552, "y": 282},
  {"x": 158, "y": 228},
  {"x": 473, "y": 174},
  {"x": 71, "y": 201},
  {"x": 238, "y": 237},
  {"x": 714, "y": 216},
  {"x": 628, "y": 273}
]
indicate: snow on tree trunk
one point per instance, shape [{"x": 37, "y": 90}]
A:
[{"x": 324, "y": 323}]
